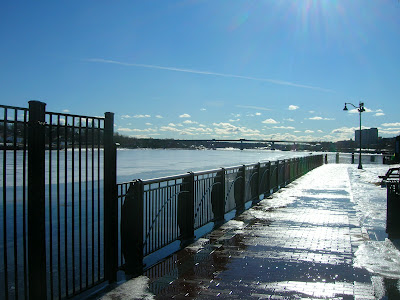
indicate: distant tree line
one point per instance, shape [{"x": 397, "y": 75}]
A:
[
  {"x": 61, "y": 136},
  {"x": 384, "y": 145}
]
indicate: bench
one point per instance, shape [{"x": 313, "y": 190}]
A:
[{"x": 392, "y": 175}]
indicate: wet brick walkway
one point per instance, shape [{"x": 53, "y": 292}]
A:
[{"x": 297, "y": 244}]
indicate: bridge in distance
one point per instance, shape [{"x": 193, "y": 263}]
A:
[{"x": 271, "y": 143}]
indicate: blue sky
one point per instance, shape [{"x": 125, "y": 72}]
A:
[{"x": 195, "y": 69}]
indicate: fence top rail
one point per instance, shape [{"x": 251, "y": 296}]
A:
[
  {"x": 13, "y": 107},
  {"x": 53, "y": 113},
  {"x": 167, "y": 178},
  {"x": 199, "y": 173},
  {"x": 252, "y": 165},
  {"x": 233, "y": 167},
  {"x": 74, "y": 116}
]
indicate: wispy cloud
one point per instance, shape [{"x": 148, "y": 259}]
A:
[
  {"x": 391, "y": 124},
  {"x": 274, "y": 81}
]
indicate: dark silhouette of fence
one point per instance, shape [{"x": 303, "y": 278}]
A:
[
  {"x": 67, "y": 226},
  {"x": 57, "y": 209}
]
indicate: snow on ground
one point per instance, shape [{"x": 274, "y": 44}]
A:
[{"x": 136, "y": 288}]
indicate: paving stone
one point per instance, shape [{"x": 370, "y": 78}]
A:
[{"x": 297, "y": 244}]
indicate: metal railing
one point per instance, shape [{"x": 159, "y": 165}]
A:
[
  {"x": 158, "y": 212},
  {"x": 67, "y": 226},
  {"x": 53, "y": 212}
]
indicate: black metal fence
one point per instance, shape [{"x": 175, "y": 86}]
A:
[
  {"x": 53, "y": 216},
  {"x": 67, "y": 226},
  {"x": 158, "y": 212}
]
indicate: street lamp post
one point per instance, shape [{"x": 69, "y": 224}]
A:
[{"x": 360, "y": 108}]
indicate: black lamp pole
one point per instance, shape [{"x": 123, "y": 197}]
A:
[{"x": 360, "y": 109}]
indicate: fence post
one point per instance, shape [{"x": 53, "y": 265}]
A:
[
  {"x": 257, "y": 188},
  {"x": 186, "y": 210},
  {"x": 278, "y": 170},
  {"x": 110, "y": 201},
  {"x": 240, "y": 190},
  {"x": 218, "y": 197},
  {"x": 36, "y": 201},
  {"x": 132, "y": 228},
  {"x": 269, "y": 179}
]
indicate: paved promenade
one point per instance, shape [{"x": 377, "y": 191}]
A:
[{"x": 300, "y": 243}]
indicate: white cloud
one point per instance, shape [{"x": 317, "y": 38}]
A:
[
  {"x": 184, "y": 116},
  {"x": 283, "y": 127},
  {"x": 293, "y": 107},
  {"x": 65, "y": 111},
  {"x": 311, "y": 111},
  {"x": 270, "y": 121},
  {"x": 126, "y": 116},
  {"x": 379, "y": 114},
  {"x": 159, "y": 116},
  {"x": 202, "y": 130},
  {"x": 203, "y": 109},
  {"x": 171, "y": 124},
  {"x": 141, "y": 116},
  {"x": 189, "y": 122},
  {"x": 148, "y": 124},
  {"x": 234, "y": 120},
  {"x": 169, "y": 128},
  {"x": 319, "y": 130},
  {"x": 223, "y": 128},
  {"x": 390, "y": 131},
  {"x": 289, "y": 120},
  {"x": 355, "y": 111},
  {"x": 320, "y": 118},
  {"x": 253, "y": 115},
  {"x": 344, "y": 130},
  {"x": 309, "y": 131},
  {"x": 391, "y": 124},
  {"x": 136, "y": 130}
]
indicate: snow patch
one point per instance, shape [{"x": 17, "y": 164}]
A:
[
  {"x": 136, "y": 288},
  {"x": 380, "y": 257}
]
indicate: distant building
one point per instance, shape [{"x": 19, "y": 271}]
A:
[{"x": 369, "y": 137}]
